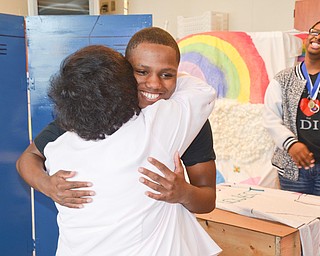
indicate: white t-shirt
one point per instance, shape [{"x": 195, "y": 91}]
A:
[{"x": 122, "y": 220}]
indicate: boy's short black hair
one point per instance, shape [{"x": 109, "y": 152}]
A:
[{"x": 153, "y": 35}]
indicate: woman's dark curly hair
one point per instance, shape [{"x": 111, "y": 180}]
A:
[{"x": 94, "y": 92}]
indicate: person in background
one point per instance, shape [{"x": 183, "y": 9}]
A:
[
  {"x": 107, "y": 139},
  {"x": 292, "y": 117},
  {"x": 155, "y": 56}
]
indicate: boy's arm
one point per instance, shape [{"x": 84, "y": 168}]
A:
[
  {"x": 199, "y": 160},
  {"x": 30, "y": 166}
]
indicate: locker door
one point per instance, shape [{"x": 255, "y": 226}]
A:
[
  {"x": 49, "y": 40},
  {"x": 15, "y": 213}
]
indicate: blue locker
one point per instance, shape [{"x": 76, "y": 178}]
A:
[
  {"x": 15, "y": 213},
  {"x": 49, "y": 39}
]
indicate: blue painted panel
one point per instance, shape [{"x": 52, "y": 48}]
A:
[
  {"x": 49, "y": 40},
  {"x": 11, "y": 25},
  {"x": 15, "y": 214},
  {"x": 115, "y": 32}
]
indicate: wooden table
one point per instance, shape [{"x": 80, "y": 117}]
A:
[{"x": 240, "y": 235}]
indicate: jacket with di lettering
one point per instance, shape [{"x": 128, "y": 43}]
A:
[{"x": 280, "y": 113}]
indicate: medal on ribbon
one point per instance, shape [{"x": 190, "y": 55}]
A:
[
  {"x": 313, "y": 89},
  {"x": 314, "y": 107}
]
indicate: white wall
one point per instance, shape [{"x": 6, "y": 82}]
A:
[
  {"x": 244, "y": 15},
  {"x": 16, "y": 7}
]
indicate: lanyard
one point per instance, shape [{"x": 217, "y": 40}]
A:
[{"x": 312, "y": 89}]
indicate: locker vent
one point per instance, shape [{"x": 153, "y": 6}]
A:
[{"x": 3, "y": 49}]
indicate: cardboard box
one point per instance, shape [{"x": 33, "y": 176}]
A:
[{"x": 245, "y": 236}]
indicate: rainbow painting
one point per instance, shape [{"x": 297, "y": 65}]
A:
[{"x": 228, "y": 61}]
